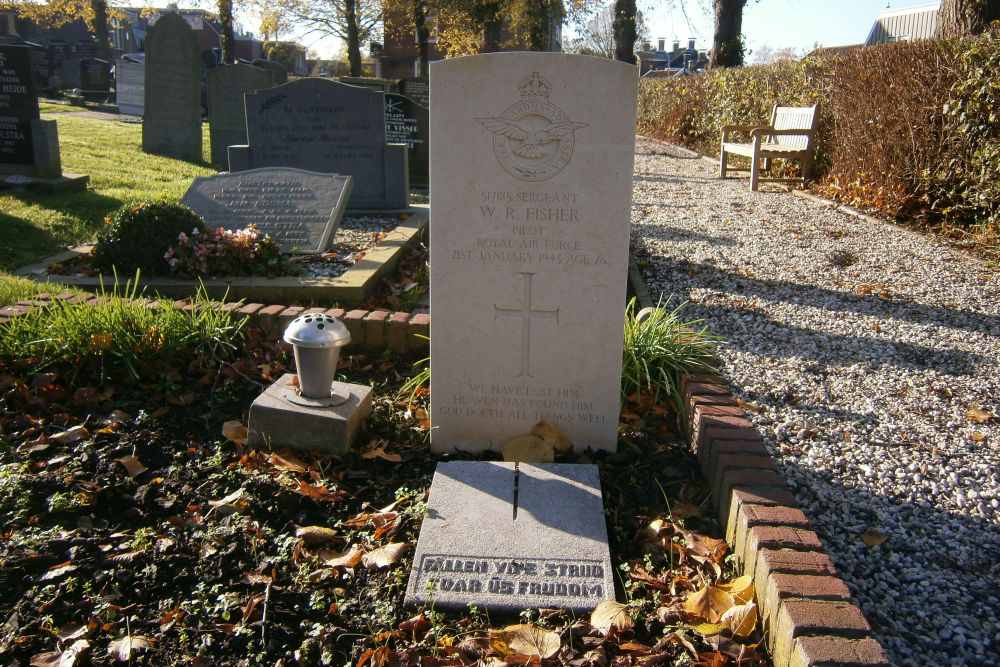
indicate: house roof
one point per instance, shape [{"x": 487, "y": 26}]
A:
[{"x": 916, "y": 22}]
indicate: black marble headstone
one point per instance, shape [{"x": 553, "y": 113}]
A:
[
  {"x": 407, "y": 122},
  {"x": 18, "y": 104}
]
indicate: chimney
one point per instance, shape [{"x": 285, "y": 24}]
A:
[
  {"x": 659, "y": 43},
  {"x": 677, "y": 45},
  {"x": 691, "y": 43}
]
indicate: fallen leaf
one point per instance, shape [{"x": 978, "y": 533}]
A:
[
  {"x": 710, "y": 603},
  {"x": 549, "y": 432},
  {"x": 610, "y": 615},
  {"x": 235, "y": 431},
  {"x": 133, "y": 466},
  {"x": 57, "y": 571},
  {"x": 373, "y": 451},
  {"x": 349, "y": 557},
  {"x": 384, "y": 556},
  {"x": 979, "y": 416},
  {"x": 873, "y": 538},
  {"x": 741, "y": 619},
  {"x": 316, "y": 534},
  {"x": 977, "y": 437},
  {"x": 532, "y": 640},
  {"x": 47, "y": 659},
  {"x": 528, "y": 449},
  {"x": 71, "y": 435},
  {"x": 232, "y": 503},
  {"x": 741, "y": 588},
  {"x": 121, "y": 649},
  {"x": 709, "y": 629}
]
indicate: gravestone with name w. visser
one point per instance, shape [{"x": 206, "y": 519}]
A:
[
  {"x": 29, "y": 146},
  {"x": 321, "y": 125},
  {"x": 407, "y": 122},
  {"x": 300, "y": 210},
  {"x": 171, "y": 122},
  {"x": 130, "y": 87},
  {"x": 529, "y": 245},
  {"x": 227, "y": 120}
]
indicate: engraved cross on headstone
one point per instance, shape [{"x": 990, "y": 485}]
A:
[{"x": 527, "y": 314}]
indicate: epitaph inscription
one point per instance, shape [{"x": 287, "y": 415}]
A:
[
  {"x": 18, "y": 105},
  {"x": 300, "y": 210},
  {"x": 514, "y": 577}
]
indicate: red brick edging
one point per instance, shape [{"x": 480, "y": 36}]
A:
[{"x": 808, "y": 616}]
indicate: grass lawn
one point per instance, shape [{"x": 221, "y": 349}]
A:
[{"x": 33, "y": 226}]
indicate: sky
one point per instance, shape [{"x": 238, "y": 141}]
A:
[{"x": 777, "y": 24}]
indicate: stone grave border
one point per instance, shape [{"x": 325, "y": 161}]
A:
[
  {"x": 355, "y": 285},
  {"x": 807, "y": 612}
]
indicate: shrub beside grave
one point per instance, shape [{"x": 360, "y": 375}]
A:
[{"x": 139, "y": 234}]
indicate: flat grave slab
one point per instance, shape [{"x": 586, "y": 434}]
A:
[
  {"x": 472, "y": 548},
  {"x": 301, "y": 210}
]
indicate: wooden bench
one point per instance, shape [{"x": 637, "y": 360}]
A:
[{"x": 788, "y": 137}]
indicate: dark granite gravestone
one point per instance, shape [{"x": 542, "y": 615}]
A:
[
  {"x": 95, "y": 75},
  {"x": 227, "y": 120},
  {"x": 378, "y": 85},
  {"x": 171, "y": 123},
  {"x": 28, "y": 145},
  {"x": 279, "y": 74},
  {"x": 300, "y": 210},
  {"x": 321, "y": 125},
  {"x": 416, "y": 88},
  {"x": 130, "y": 87},
  {"x": 407, "y": 122}
]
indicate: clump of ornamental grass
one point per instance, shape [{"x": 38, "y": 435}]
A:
[
  {"x": 118, "y": 334},
  {"x": 660, "y": 348}
]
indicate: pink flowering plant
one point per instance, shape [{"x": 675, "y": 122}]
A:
[{"x": 224, "y": 252}]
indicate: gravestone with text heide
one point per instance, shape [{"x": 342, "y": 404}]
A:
[
  {"x": 29, "y": 146},
  {"x": 321, "y": 125},
  {"x": 300, "y": 210},
  {"x": 171, "y": 122},
  {"x": 529, "y": 247},
  {"x": 227, "y": 120}
]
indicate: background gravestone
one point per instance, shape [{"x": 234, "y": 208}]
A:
[
  {"x": 28, "y": 145},
  {"x": 321, "y": 125},
  {"x": 416, "y": 88},
  {"x": 532, "y": 191},
  {"x": 130, "y": 87},
  {"x": 95, "y": 75},
  {"x": 279, "y": 74},
  {"x": 300, "y": 210},
  {"x": 171, "y": 122},
  {"x": 227, "y": 120},
  {"x": 407, "y": 122}
]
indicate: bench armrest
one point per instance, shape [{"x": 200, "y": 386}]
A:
[
  {"x": 767, "y": 131},
  {"x": 726, "y": 129}
]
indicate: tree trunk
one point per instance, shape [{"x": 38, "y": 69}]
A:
[
  {"x": 228, "y": 38},
  {"x": 964, "y": 18},
  {"x": 100, "y": 9},
  {"x": 727, "y": 49},
  {"x": 625, "y": 32},
  {"x": 539, "y": 15},
  {"x": 420, "y": 25},
  {"x": 353, "y": 43}
]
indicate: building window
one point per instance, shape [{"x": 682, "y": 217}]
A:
[{"x": 897, "y": 38}]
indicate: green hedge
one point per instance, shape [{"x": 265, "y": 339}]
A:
[{"x": 910, "y": 130}]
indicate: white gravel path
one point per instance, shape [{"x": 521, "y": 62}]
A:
[{"x": 871, "y": 358}]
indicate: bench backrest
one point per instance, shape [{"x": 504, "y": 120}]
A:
[{"x": 793, "y": 118}]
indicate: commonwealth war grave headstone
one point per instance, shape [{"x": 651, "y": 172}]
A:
[
  {"x": 130, "y": 87},
  {"x": 300, "y": 210},
  {"x": 227, "y": 120},
  {"x": 321, "y": 125},
  {"x": 529, "y": 244},
  {"x": 171, "y": 123},
  {"x": 407, "y": 122},
  {"x": 531, "y": 207}
]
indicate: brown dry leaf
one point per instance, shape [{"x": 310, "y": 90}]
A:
[
  {"x": 977, "y": 437},
  {"x": 532, "y": 640},
  {"x": 284, "y": 460},
  {"x": 978, "y": 416},
  {"x": 121, "y": 649},
  {"x": 235, "y": 431},
  {"x": 709, "y": 629},
  {"x": 741, "y": 588},
  {"x": 549, "y": 432},
  {"x": 384, "y": 556},
  {"x": 378, "y": 451},
  {"x": 528, "y": 449},
  {"x": 57, "y": 571},
  {"x": 741, "y": 619},
  {"x": 873, "y": 538},
  {"x": 132, "y": 465},
  {"x": 71, "y": 435},
  {"x": 710, "y": 603},
  {"x": 47, "y": 659},
  {"x": 349, "y": 557},
  {"x": 316, "y": 534},
  {"x": 610, "y": 615},
  {"x": 702, "y": 544},
  {"x": 231, "y": 503}
]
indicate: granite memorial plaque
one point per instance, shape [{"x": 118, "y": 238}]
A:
[
  {"x": 529, "y": 247},
  {"x": 486, "y": 542},
  {"x": 321, "y": 125},
  {"x": 227, "y": 120},
  {"x": 130, "y": 87},
  {"x": 406, "y": 122},
  {"x": 171, "y": 122},
  {"x": 416, "y": 88},
  {"x": 300, "y": 210},
  {"x": 18, "y": 105}
]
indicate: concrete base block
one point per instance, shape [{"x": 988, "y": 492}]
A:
[{"x": 277, "y": 422}]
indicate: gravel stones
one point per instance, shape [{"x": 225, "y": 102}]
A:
[{"x": 869, "y": 360}]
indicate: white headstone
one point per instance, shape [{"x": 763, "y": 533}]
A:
[{"x": 531, "y": 165}]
